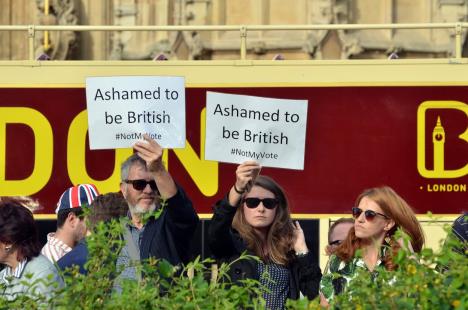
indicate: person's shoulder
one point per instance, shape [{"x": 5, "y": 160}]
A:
[
  {"x": 40, "y": 265},
  {"x": 461, "y": 221},
  {"x": 40, "y": 261},
  {"x": 80, "y": 250},
  {"x": 460, "y": 227},
  {"x": 2, "y": 275}
]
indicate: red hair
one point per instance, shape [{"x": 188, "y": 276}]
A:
[{"x": 397, "y": 209}]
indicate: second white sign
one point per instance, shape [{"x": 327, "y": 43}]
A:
[{"x": 270, "y": 131}]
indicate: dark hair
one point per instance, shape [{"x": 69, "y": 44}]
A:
[
  {"x": 106, "y": 207},
  {"x": 63, "y": 214},
  {"x": 17, "y": 227},
  {"x": 339, "y": 221},
  {"x": 280, "y": 237}
]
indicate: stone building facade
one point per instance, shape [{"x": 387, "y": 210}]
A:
[{"x": 193, "y": 45}]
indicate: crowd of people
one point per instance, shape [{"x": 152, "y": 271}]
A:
[{"x": 157, "y": 218}]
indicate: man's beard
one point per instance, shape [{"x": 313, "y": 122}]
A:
[{"x": 138, "y": 210}]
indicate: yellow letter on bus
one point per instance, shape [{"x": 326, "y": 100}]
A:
[
  {"x": 76, "y": 159},
  {"x": 204, "y": 173},
  {"x": 43, "y": 155}
]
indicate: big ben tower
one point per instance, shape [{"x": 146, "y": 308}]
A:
[{"x": 438, "y": 141}]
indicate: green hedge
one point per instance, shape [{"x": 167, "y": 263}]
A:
[{"x": 427, "y": 281}]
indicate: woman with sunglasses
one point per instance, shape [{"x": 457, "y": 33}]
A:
[
  {"x": 378, "y": 213},
  {"x": 254, "y": 217}
]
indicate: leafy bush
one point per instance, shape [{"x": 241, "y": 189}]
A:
[
  {"x": 424, "y": 281},
  {"x": 163, "y": 287}
]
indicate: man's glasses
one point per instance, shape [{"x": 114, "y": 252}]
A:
[
  {"x": 140, "y": 184},
  {"x": 269, "y": 203},
  {"x": 369, "y": 214}
]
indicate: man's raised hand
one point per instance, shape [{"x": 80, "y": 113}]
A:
[{"x": 151, "y": 152}]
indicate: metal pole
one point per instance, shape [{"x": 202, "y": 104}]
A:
[
  {"x": 31, "y": 37},
  {"x": 46, "y": 33},
  {"x": 243, "y": 46},
  {"x": 458, "y": 47}
]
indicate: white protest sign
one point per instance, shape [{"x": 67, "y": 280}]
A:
[
  {"x": 123, "y": 108},
  {"x": 270, "y": 131}
]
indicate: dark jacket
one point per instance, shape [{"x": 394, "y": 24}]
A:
[
  {"x": 77, "y": 256},
  {"x": 227, "y": 245},
  {"x": 170, "y": 235},
  {"x": 166, "y": 237}
]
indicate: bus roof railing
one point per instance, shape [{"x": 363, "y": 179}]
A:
[{"x": 242, "y": 29}]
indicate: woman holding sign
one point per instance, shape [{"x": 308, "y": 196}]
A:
[{"x": 254, "y": 217}]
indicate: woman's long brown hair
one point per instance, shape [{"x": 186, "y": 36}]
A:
[
  {"x": 398, "y": 210},
  {"x": 280, "y": 236}
]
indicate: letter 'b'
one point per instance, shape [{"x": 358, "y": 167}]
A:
[
  {"x": 42, "y": 160},
  {"x": 440, "y": 172}
]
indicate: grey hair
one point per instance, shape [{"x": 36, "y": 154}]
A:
[{"x": 129, "y": 162}]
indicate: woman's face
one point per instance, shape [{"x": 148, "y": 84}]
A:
[
  {"x": 259, "y": 217},
  {"x": 368, "y": 227},
  {"x": 4, "y": 254}
]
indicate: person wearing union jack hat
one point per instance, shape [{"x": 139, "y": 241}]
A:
[
  {"x": 71, "y": 227},
  {"x": 103, "y": 209}
]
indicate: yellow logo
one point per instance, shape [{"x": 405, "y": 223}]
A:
[{"x": 438, "y": 140}]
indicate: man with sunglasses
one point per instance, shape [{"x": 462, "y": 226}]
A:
[{"x": 151, "y": 193}]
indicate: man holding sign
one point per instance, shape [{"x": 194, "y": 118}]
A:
[
  {"x": 150, "y": 191},
  {"x": 122, "y": 110}
]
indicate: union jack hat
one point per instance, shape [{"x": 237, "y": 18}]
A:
[{"x": 77, "y": 196}]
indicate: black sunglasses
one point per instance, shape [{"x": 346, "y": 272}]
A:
[
  {"x": 269, "y": 203},
  {"x": 140, "y": 184},
  {"x": 369, "y": 214},
  {"x": 335, "y": 243}
]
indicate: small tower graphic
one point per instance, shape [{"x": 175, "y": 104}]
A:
[{"x": 438, "y": 141}]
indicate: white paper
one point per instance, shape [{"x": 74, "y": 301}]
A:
[
  {"x": 268, "y": 130},
  {"x": 122, "y": 108}
]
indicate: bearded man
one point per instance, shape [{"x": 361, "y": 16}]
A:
[{"x": 162, "y": 218}]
